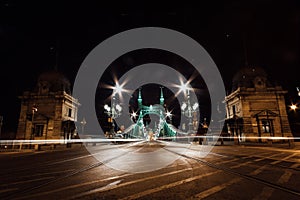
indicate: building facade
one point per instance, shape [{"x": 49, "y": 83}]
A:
[
  {"x": 48, "y": 111},
  {"x": 256, "y": 107}
]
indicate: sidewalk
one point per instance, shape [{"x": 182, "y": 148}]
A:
[
  {"x": 279, "y": 145},
  {"x": 43, "y": 148}
]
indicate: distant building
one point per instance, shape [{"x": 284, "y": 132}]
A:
[
  {"x": 48, "y": 111},
  {"x": 256, "y": 107}
]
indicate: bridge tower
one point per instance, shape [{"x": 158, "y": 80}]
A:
[
  {"x": 161, "y": 100},
  {"x": 140, "y": 100}
]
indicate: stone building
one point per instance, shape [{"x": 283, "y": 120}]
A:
[
  {"x": 48, "y": 111},
  {"x": 256, "y": 107}
]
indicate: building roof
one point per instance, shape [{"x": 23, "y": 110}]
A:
[
  {"x": 245, "y": 77},
  {"x": 53, "y": 81}
]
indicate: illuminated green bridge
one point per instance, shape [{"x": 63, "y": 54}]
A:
[{"x": 162, "y": 129}]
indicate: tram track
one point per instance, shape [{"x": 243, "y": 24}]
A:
[
  {"x": 28, "y": 191},
  {"x": 53, "y": 162},
  {"x": 70, "y": 174},
  {"x": 233, "y": 172}
]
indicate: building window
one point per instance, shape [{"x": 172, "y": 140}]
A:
[
  {"x": 233, "y": 109},
  {"x": 39, "y": 130},
  {"x": 266, "y": 126},
  {"x": 70, "y": 112}
]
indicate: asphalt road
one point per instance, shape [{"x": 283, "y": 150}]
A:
[{"x": 226, "y": 172}]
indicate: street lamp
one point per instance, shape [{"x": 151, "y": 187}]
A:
[
  {"x": 115, "y": 110},
  {"x": 187, "y": 108},
  {"x": 133, "y": 116},
  {"x": 83, "y": 123},
  {"x": 293, "y": 107},
  {"x": 169, "y": 115}
]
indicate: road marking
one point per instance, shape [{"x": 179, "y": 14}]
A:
[
  {"x": 268, "y": 191},
  {"x": 203, "y": 194},
  {"x": 27, "y": 181},
  {"x": 265, "y": 194},
  {"x": 258, "y": 170},
  {"x": 296, "y": 165},
  {"x": 8, "y": 190},
  {"x": 216, "y": 154},
  {"x": 286, "y": 158},
  {"x": 285, "y": 177},
  {"x": 150, "y": 191},
  {"x": 72, "y": 187},
  {"x": 110, "y": 185},
  {"x": 240, "y": 165},
  {"x": 263, "y": 158},
  {"x": 215, "y": 189},
  {"x": 129, "y": 183},
  {"x": 107, "y": 179},
  {"x": 227, "y": 161}
]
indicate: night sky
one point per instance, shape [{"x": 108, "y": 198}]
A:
[{"x": 261, "y": 33}]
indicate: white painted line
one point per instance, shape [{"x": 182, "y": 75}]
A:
[
  {"x": 71, "y": 187},
  {"x": 240, "y": 165},
  {"x": 268, "y": 191},
  {"x": 265, "y": 194},
  {"x": 296, "y": 165},
  {"x": 108, "y": 186},
  {"x": 285, "y": 177},
  {"x": 103, "y": 180},
  {"x": 215, "y": 189},
  {"x": 258, "y": 170},
  {"x": 227, "y": 161},
  {"x": 267, "y": 157},
  {"x": 286, "y": 158},
  {"x": 174, "y": 184}
]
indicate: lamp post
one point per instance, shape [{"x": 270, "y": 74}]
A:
[
  {"x": 83, "y": 123},
  {"x": 169, "y": 115},
  {"x": 188, "y": 109},
  {"x": 115, "y": 110}
]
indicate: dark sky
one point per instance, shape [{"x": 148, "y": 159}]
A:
[{"x": 268, "y": 32}]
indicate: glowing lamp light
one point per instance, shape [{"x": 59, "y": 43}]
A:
[
  {"x": 183, "y": 106},
  {"x": 118, "y": 88},
  {"x": 293, "y": 107},
  {"x": 118, "y": 107},
  {"x": 195, "y": 106},
  {"x": 184, "y": 87},
  {"x": 134, "y": 114},
  {"x": 169, "y": 114}
]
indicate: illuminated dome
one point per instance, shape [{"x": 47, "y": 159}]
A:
[
  {"x": 249, "y": 77},
  {"x": 53, "y": 81}
]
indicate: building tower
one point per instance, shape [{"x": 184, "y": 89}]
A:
[
  {"x": 256, "y": 107},
  {"x": 48, "y": 111}
]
